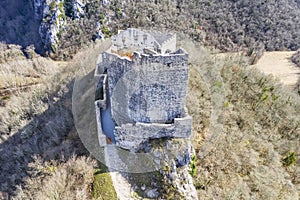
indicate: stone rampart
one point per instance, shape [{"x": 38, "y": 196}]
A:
[
  {"x": 130, "y": 136},
  {"x": 135, "y": 40},
  {"x": 169, "y": 45},
  {"x": 152, "y": 88}
]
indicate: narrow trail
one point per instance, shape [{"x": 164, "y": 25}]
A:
[{"x": 279, "y": 64}]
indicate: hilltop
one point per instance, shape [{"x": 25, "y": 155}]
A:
[{"x": 255, "y": 153}]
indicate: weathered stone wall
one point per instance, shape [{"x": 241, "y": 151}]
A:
[
  {"x": 150, "y": 88},
  {"x": 130, "y": 136},
  {"x": 101, "y": 91},
  {"x": 101, "y": 136},
  {"x": 135, "y": 40},
  {"x": 147, "y": 90},
  {"x": 169, "y": 45}
]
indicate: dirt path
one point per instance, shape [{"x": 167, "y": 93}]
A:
[{"x": 279, "y": 64}]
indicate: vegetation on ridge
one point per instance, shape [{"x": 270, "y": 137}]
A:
[
  {"x": 228, "y": 25},
  {"x": 250, "y": 158}
]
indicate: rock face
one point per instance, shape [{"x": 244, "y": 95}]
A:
[
  {"x": 178, "y": 174},
  {"x": 78, "y": 9},
  {"x": 53, "y": 20},
  {"x": 52, "y": 14},
  {"x": 38, "y": 8}
]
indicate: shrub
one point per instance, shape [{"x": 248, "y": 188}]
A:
[
  {"x": 290, "y": 159},
  {"x": 193, "y": 165},
  {"x": 71, "y": 179}
]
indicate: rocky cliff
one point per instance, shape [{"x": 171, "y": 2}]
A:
[{"x": 53, "y": 16}]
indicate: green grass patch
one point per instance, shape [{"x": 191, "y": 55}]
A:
[
  {"x": 290, "y": 159},
  {"x": 193, "y": 170},
  {"x": 103, "y": 186},
  {"x": 5, "y": 97}
]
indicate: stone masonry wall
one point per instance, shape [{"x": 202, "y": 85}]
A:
[
  {"x": 136, "y": 40},
  {"x": 169, "y": 45},
  {"x": 130, "y": 136},
  {"x": 146, "y": 88},
  {"x": 150, "y": 88}
]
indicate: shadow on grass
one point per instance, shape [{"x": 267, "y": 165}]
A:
[{"x": 46, "y": 135}]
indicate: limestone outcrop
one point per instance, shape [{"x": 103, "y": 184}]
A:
[{"x": 52, "y": 14}]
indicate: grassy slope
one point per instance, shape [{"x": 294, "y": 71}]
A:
[
  {"x": 39, "y": 139},
  {"x": 102, "y": 186},
  {"x": 261, "y": 129}
]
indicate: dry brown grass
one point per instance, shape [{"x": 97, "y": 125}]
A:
[
  {"x": 17, "y": 73},
  {"x": 261, "y": 127},
  {"x": 70, "y": 179},
  {"x": 38, "y": 123}
]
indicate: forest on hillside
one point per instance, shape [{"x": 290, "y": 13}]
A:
[
  {"x": 229, "y": 25},
  {"x": 225, "y": 25}
]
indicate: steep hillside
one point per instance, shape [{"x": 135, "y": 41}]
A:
[
  {"x": 254, "y": 156},
  {"x": 37, "y": 134},
  {"x": 18, "y": 25},
  {"x": 65, "y": 26},
  {"x": 227, "y": 25},
  {"x": 255, "y": 153}
]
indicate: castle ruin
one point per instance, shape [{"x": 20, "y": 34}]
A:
[{"x": 141, "y": 83}]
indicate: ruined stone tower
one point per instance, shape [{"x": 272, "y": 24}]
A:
[{"x": 141, "y": 89}]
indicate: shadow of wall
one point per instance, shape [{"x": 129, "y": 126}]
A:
[{"x": 50, "y": 135}]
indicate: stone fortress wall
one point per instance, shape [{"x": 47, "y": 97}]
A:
[
  {"x": 146, "y": 82},
  {"x": 129, "y": 136},
  {"x": 137, "y": 40}
]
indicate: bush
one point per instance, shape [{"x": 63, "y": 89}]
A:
[
  {"x": 290, "y": 159},
  {"x": 193, "y": 165},
  {"x": 71, "y": 179}
]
